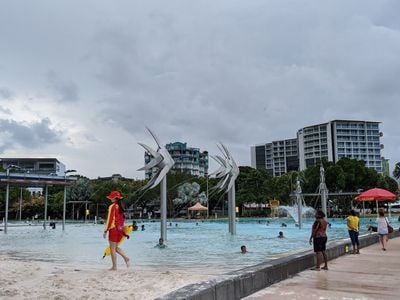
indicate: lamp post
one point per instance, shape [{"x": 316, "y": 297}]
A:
[
  {"x": 46, "y": 193},
  {"x": 65, "y": 196},
  {"x": 299, "y": 203},
  {"x": 20, "y": 205},
  {"x": 363, "y": 209},
  {"x": 323, "y": 191},
  {"x": 208, "y": 206},
  {"x": 8, "y": 195}
]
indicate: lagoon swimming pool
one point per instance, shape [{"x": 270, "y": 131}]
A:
[{"x": 207, "y": 247}]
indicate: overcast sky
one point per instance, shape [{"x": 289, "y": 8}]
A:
[{"x": 80, "y": 80}]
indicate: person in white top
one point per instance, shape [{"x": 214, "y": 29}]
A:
[{"x": 382, "y": 228}]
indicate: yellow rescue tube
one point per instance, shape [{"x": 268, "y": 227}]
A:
[{"x": 127, "y": 230}]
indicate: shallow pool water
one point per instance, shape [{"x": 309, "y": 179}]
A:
[{"x": 205, "y": 246}]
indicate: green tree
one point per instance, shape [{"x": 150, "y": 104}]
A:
[
  {"x": 355, "y": 171},
  {"x": 32, "y": 205},
  {"x": 335, "y": 178},
  {"x": 251, "y": 186},
  {"x": 310, "y": 179},
  {"x": 14, "y": 203},
  {"x": 370, "y": 180},
  {"x": 388, "y": 183},
  {"x": 99, "y": 189},
  {"x": 174, "y": 180},
  {"x": 55, "y": 204},
  {"x": 281, "y": 187}
]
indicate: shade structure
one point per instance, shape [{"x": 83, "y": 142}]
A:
[
  {"x": 376, "y": 194},
  {"x": 198, "y": 207}
]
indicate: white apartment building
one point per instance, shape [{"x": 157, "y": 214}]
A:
[
  {"x": 331, "y": 141},
  {"x": 341, "y": 138},
  {"x": 315, "y": 143}
]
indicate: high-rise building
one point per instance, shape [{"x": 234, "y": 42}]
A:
[
  {"x": 331, "y": 141},
  {"x": 187, "y": 159},
  {"x": 278, "y": 157},
  {"x": 315, "y": 144},
  {"x": 341, "y": 138},
  {"x": 359, "y": 140}
]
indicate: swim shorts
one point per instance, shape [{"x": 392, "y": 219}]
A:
[{"x": 320, "y": 244}]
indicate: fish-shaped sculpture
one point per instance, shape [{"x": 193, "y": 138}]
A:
[
  {"x": 161, "y": 161},
  {"x": 228, "y": 170}
]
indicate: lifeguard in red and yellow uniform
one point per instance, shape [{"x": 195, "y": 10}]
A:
[{"x": 115, "y": 228}]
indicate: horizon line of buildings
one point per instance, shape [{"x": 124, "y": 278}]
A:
[{"x": 332, "y": 141}]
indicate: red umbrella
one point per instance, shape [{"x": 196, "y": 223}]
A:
[{"x": 377, "y": 195}]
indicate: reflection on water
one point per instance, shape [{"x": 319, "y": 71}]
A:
[{"x": 207, "y": 247}]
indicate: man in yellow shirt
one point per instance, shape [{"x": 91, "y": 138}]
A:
[{"x": 353, "y": 226}]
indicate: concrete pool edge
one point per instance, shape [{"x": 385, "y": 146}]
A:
[{"x": 246, "y": 281}]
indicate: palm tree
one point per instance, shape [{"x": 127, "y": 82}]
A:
[{"x": 396, "y": 171}]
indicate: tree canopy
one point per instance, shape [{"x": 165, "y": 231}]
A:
[{"x": 252, "y": 186}]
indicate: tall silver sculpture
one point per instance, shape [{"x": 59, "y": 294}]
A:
[
  {"x": 227, "y": 172},
  {"x": 299, "y": 203},
  {"x": 160, "y": 163},
  {"x": 323, "y": 189}
]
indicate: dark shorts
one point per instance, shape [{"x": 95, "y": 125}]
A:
[
  {"x": 320, "y": 244},
  {"x": 354, "y": 237},
  {"x": 114, "y": 235}
]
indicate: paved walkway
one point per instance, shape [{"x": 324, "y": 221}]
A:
[{"x": 374, "y": 274}]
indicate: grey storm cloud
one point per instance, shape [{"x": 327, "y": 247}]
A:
[
  {"x": 67, "y": 91},
  {"x": 240, "y": 72},
  {"x": 233, "y": 73},
  {"x": 28, "y": 135},
  {"x": 5, "y": 93}
]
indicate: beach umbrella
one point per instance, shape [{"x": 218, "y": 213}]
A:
[{"x": 377, "y": 195}]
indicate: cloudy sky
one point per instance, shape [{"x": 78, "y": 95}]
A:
[{"x": 80, "y": 80}]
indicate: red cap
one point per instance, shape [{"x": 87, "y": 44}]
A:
[{"x": 114, "y": 195}]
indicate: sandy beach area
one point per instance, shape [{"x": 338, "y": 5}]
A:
[{"x": 46, "y": 280}]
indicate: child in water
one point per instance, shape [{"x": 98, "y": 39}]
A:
[{"x": 161, "y": 244}]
